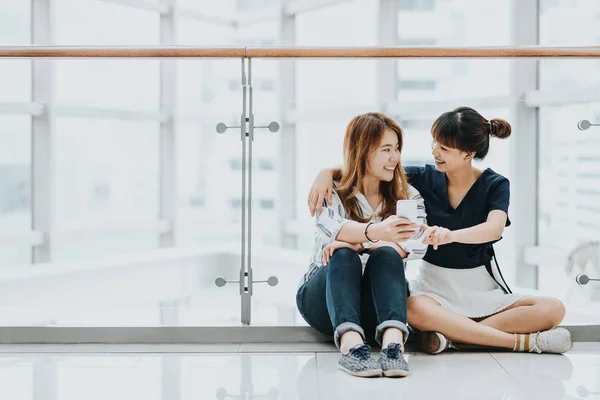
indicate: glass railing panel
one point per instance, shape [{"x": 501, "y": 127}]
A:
[
  {"x": 314, "y": 120},
  {"x": 119, "y": 256}
]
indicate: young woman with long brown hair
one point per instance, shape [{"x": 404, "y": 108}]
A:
[{"x": 355, "y": 289}]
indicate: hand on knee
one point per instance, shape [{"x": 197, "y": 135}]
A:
[
  {"x": 346, "y": 260},
  {"x": 345, "y": 255}
]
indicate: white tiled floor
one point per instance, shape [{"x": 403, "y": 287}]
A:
[
  {"x": 554, "y": 376},
  {"x": 298, "y": 371}
]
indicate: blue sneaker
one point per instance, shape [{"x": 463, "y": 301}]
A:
[
  {"x": 392, "y": 361},
  {"x": 358, "y": 362}
]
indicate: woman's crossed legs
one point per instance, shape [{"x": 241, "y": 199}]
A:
[{"x": 515, "y": 328}]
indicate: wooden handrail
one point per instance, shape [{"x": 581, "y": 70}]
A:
[
  {"x": 296, "y": 52},
  {"x": 122, "y": 52},
  {"x": 423, "y": 52}
]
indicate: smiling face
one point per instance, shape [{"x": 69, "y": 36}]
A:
[
  {"x": 384, "y": 159},
  {"x": 448, "y": 159},
  {"x": 372, "y": 146},
  {"x": 462, "y": 135}
]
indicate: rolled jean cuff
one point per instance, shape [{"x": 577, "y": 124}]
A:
[
  {"x": 345, "y": 327},
  {"x": 390, "y": 324}
]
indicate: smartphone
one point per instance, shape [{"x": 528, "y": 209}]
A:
[{"x": 407, "y": 209}]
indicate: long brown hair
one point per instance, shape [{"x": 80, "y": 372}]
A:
[{"x": 363, "y": 136}]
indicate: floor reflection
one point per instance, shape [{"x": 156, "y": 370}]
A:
[
  {"x": 246, "y": 390},
  {"x": 271, "y": 376}
]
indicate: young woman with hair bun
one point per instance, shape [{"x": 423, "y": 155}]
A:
[{"x": 459, "y": 295}]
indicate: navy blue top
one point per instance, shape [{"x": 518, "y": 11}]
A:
[{"x": 490, "y": 192}]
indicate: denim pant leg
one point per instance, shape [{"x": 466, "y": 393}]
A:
[
  {"x": 385, "y": 292},
  {"x": 334, "y": 293},
  {"x": 312, "y": 304}
]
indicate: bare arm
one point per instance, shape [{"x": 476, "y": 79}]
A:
[
  {"x": 322, "y": 189},
  {"x": 354, "y": 233},
  {"x": 388, "y": 230},
  {"x": 488, "y": 231}
]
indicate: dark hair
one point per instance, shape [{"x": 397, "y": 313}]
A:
[{"x": 465, "y": 129}]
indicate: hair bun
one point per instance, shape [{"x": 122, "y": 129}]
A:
[{"x": 500, "y": 128}]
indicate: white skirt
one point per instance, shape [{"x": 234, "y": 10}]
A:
[{"x": 470, "y": 292}]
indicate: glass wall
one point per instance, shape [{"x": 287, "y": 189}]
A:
[
  {"x": 99, "y": 185},
  {"x": 118, "y": 194},
  {"x": 139, "y": 169},
  {"x": 569, "y": 168}
]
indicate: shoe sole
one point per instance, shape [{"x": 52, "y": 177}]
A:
[
  {"x": 397, "y": 373},
  {"x": 363, "y": 374}
]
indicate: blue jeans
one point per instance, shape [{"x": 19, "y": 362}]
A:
[{"x": 340, "y": 298}]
